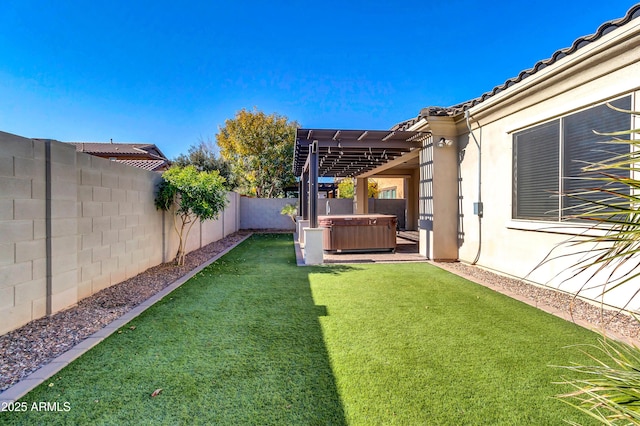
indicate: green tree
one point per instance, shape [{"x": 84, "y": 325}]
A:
[
  {"x": 203, "y": 156},
  {"x": 346, "y": 188},
  {"x": 259, "y": 148},
  {"x": 190, "y": 194},
  {"x": 290, "y": 210}
]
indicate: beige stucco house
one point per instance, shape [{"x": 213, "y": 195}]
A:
[
  {"x": 483, "y": 184},
  {"x": 527, "y": 139}
]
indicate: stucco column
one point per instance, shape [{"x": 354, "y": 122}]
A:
[
  {"x": 360, "y": 196},
  {"x": 313, "y": 247},
  {"x": 439, "y": 192},
  {"x": 412, "y": 189},
  {"x": 302, "y": 223}
]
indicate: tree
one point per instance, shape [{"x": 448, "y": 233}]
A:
[
  {"x": 346, "y": 188},
  {"x": 190, "y": 194},
  {"x": 259, "y": 148},
  {"x": 204, "y": 158},
  {"x": 290, "y": 210}
]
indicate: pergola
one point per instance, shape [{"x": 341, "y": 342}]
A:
[{"x": 344, "y": 153}]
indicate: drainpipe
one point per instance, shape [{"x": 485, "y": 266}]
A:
[{"x": 477, "y": 206}]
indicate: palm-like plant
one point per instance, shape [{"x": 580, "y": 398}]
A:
[{"x": 608, "y": 390}]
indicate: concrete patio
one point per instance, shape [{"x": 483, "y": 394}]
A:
[{"x": 406, "y": 251}]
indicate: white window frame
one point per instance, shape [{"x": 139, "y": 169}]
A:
[{"x": 560, "y": 226}]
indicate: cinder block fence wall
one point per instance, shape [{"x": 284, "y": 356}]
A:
[
  {"x": 264, "y": 213},
  {"x": 72, "y": 224}
]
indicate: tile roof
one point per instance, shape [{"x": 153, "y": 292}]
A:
[
  {"x": 143, "y": 155},
  {"x": 142, "y": 149},
  {"x": 581, "y": 42}
]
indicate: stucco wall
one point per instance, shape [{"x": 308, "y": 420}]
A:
[
  {"x": 385, "y": 183},
  {"x": 103, "y": 227},
  {"x": 598, "y": 72}
]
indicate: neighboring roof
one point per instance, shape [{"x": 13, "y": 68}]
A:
[
  {"x": 142, "y": 155},
  {"x": 347, "y": 153},
  {"x": 117, "y": 149},
  {"x": 581, "y": 42},
  {"x": 152, "y": 165}
]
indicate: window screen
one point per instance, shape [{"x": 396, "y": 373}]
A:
[
  {"x": 570, "y": 141},
  {"x": 536, "y": 174},
  {"x": 583, "y": 147}
]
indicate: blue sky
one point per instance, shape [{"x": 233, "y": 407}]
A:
[{"x": 171, "y": 73}]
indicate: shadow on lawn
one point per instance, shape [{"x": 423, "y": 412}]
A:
[
  {"x": 288, "y": 329},
  {"x": 333, "y": 269},
  {"x": 239, "y": 343}
]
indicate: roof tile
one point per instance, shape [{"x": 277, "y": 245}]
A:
[{"x": 581, "y": 42}]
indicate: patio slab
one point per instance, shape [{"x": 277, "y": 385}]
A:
[{"x": 406, "y": 251}]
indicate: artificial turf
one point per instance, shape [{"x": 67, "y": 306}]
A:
[{"x": 254, "y": 339}]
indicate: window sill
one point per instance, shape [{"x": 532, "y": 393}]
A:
[{"x": 566, "y": 228}]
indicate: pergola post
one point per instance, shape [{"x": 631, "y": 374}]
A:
[
  {"x": 361, "y": 196},
  {"x": 304, "y": 196},
  {"x": 313, "y": 241},
  {"x": 313, "y": 185},
  {"x": 331, "y": 153}
]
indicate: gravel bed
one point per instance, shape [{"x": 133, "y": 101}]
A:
[
  {"x": 24, "y": 350},
  {"x": 614, "y": 322}
]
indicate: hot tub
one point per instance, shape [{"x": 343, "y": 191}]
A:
[{"x": 367, "y": 232}]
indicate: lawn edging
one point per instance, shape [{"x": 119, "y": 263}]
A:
[{"x": 24, "y": 386}]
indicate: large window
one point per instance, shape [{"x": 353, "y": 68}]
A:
[
  {"x": 548, "y": 158},
  {"x": 388, "y": 193}
]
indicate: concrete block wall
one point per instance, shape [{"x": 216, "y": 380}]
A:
[
  {"x": 203, "y": 233},
  {"x": 341, "y": 206},
  {"x": 63, "y": 254},
  {"x": 76, "y": 224},
  {"x": 119, "y": 229},
  {"x": 396, "y": 207},
  {"x": 23, "y": 248},
  {"x": 231, "y": 215},
  {"x": 336, "y": 206},
  {"x": 264, "y": 213}
]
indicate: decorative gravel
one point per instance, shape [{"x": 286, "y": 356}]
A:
[
  {"x": 613, "y": 322},
  {"x": 24, "y": 350}
]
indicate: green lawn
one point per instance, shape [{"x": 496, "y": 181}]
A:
[{"x": 253, "y": 339}]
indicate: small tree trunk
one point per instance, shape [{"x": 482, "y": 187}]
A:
[
  {"x": 179, "y": 259},
  {"x": 184, "y": 236}
]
